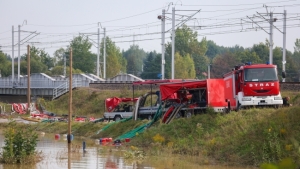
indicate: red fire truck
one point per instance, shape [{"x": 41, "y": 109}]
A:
[{"x": 252, "y": 85}]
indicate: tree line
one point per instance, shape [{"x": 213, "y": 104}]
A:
[{"x": 192, "y": 58}]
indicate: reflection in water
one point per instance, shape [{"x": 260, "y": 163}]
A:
[
  {"x": 58, "y": 155},
  {"x": 69, "y": 155}
]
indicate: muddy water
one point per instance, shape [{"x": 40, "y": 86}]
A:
[{"x": 55, "y": 154}]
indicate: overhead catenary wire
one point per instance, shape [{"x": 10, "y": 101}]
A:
[
  {"x": 270, "y": 2},
  {"x": 201, "y": 34},
  {"x": 155, "y": 25},
  {"x": 245, "y": 23},
  {"x": 138, "y": 15},
  {"x": 146, "y": 30},
  {"x": 96, "y": 23}
]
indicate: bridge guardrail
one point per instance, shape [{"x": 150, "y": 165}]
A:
[{"x": 64, "y": 88}]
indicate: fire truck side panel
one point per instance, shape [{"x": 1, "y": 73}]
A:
[
  {"x": 215, "y": 94},
  {"x": 230, "y": 90}
]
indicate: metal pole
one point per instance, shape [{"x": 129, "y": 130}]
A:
[
  {"x": 12, "y": 58},
  {"x": 98, "y": 52},
  {"x": 163, "y": 45},
  {"x": 19, "y": 35},
  {"x": 70, "y": 99},
  {"x": 284, "y": 44},
  {"x": 104, "y": 54},
  {"x": 65, "y": 65},
  {"x": 28, "y": 79},
  {"x": 208, "y": 70},
  {"x": 151, "y": 94},
  {"x": 173, "y": 40},
  {"x": 271, "y": 38}
]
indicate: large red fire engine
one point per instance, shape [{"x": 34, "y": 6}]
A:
[{"x": 252, "y": 85}]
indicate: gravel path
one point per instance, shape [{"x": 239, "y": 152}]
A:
[{"x": 18, "y": 120}]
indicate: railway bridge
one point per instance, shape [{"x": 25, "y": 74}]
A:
[{"x": 42, "y": 85}]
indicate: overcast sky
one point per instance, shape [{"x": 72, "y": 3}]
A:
[{"x": 227, "y": 23}]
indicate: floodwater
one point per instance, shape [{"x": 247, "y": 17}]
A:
[{"x": 56, "y": 156}]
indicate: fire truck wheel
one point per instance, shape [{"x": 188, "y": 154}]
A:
[
  {"x": 117, "y": 118},
  {"x": 188, "y": 115}
]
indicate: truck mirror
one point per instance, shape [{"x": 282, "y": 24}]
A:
[{"x": 283, "y": 74}]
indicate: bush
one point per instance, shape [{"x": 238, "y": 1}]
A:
[{"x": 20, "y": 145}]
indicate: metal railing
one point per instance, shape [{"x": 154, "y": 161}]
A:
[
  {"x": 33, "y": 84},
  {"x": 64, "y": 88}
]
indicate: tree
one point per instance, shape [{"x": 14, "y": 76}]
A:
[
  {"x": 59, "y": 56},
  {"x": 262, "y": 50},
  {"x": 40, "y": 61},
  {"x": 115, "y": 62},
  {"x": 223, "y": 64},
  {"x": 212, "y": 49},
  {"x": 184, "y": 67},
  {"x": 151, "y": 66},
  {"x": 248, "y": 56},
  {"x": 186, "y": 43},
  {"x": 59, "y": 70},
  {"x": 296, "y": 61},
  {"x": 201, "y": 64},
  {"x": 297, "y": 45},
  {"x": 291, "y": 67},
  {"x": 83, "y": 59},
  {"x": 135, "y": 56},
  {"x": 5, "y": 65},
  {"x": 46, "y": 59}
]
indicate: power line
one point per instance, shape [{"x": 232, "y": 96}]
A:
[
  {"x": 272, "y": 2},
  {"x": 96, "y": 22},
  {"x": 5, "y": 31}
]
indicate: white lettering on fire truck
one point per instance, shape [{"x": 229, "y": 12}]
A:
[{"x": 261, "y": 84}]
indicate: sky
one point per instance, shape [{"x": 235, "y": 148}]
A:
[{"x": 52, "y": 24}]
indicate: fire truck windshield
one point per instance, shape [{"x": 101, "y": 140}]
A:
[{"x": 260, "y": 74}]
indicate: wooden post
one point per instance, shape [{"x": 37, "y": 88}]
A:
[
  {"x": 28, "y": 79},
  {"x": 70, "y": 98},
  {"x": 70, "y": 112}
]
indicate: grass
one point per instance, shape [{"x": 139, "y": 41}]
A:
[{"x": 249, "y": 137}]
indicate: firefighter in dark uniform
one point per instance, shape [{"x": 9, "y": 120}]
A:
[{"x": 286, "y": 101}]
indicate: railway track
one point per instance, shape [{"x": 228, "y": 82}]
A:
[{"x": 290, "y": 86}]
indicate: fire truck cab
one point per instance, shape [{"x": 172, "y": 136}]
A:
[{"x": 252, "y": 85}]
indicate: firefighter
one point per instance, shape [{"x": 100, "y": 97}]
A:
[
  {"x": 286, "y": 101},
  {"x": 183, "y": 95}
]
